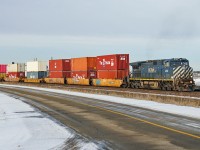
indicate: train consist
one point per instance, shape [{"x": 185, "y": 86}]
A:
[{"x": 106, "y": 70}]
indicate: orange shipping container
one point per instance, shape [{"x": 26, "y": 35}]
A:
[
  {"x": 83, "y": 64},
  {"x": 112, "y": 74}
]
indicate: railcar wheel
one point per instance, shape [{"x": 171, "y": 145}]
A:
[{"x": 132, "y": 85}]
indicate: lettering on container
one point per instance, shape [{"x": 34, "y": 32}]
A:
[
  {"x": 122, "y": 58},
  {"x": 104, "y": 62}
]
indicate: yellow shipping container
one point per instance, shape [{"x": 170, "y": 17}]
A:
[
  {"x": 107, "y": 82},
  {"x": 55, "y": 80},
  {"x": 78, "y": 81}
]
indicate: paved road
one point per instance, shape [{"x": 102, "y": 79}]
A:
[{"x": 121, "y": 126}]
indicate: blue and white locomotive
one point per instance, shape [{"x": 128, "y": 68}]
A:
[{"x": 165, "y": 74}]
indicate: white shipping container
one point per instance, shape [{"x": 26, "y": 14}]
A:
[
  {"x": 37, "y": 66},
  {"x": 19, "y": 67}
]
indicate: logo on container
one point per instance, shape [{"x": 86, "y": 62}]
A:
[
  {"x": 122, "y": 57},
  {"x": 104, "y": 62}
]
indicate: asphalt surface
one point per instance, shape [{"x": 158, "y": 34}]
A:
[{"x": 121, "y": 126}]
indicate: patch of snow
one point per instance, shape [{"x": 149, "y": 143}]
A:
[
  {"x": 168, "y": 108},
  {"x": 23, "y": 127}
]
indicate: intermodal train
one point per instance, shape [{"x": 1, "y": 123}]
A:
[{"x": 114, "y": 71}]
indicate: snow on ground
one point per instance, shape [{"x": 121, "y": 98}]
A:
[
  {"x": 169, "y": 108},
  {"x": 197, "y": 82},
  {"x": 24, "y": 128}
]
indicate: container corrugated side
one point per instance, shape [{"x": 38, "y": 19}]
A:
[
  {"x": 37, "y": 66},
  {"x": 113, "y": 62},
  {"x": 3, "y": 68},
  {"x": 84, "y": 74},
  {"x": 16, "y": 74},
  {"x": 36, "y": 75},
  {"x": 19, "y": 67},
  {"x": 60, "y": 65},
  {"x": 83, "y": 64},
  {"x": 60, "y": 74},
  {"x": 112, "y": 74}
]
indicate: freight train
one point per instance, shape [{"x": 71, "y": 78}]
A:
[{"x": 111, "y": 70}]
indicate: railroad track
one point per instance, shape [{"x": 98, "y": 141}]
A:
[{"x": 189, "y": 94}]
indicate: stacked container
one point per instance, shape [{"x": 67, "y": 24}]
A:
[
  {"x": 113, "y": 66},
  {"x": 83, "y": 68},
  {"x": 3, "y": 70},
  {"x": 37, "y": 69},
  {"x": 16, "y": 70},
  {"x": 60, "y": 68}
]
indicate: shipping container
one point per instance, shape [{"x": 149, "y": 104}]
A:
[
  {"x": 84, "y": 74},
  {"x": 60, "y": 65},
  {"x": 19, "y": 67},
  {"x": 37, "y": 66},
  {"x": 37, "y": 75},
  {"x": 83, "y": 64},
  {"x": 60, "y": 74},
  {"x": 78, "y": 81},
  {"x": 16, "y": 74},
  {"x": 3, "y": 68},
  {"x": 113, "y": 62},
  {"x": 107, "y": 82},
  {"x": 112, "y": 74}
]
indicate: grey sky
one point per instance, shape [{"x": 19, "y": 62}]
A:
[{"x": 146, "y": 29}]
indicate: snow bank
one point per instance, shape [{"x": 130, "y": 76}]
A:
[
  {"x": 169, "y": 108},
  {"x": 24, "y": 128}
]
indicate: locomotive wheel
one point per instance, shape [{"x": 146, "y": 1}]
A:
[{"x": 180, "y": 89}]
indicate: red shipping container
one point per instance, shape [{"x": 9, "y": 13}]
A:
[
  {"x": 16, "y": 74},
  {"x": 60, "y": 74},
  {"x": 112, "y": 74},
  {"x": 113, "y": 62},
  {"x": 84, "y": 74},
  {"x": 60, "y": 65},
  {"x": 83, "y": 64},
  {"x": 3, "y": 68}
]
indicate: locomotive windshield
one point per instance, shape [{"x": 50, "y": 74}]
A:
[{"x": 180, "y": 63}]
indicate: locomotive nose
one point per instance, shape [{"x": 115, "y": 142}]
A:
[{"x": 183, "y": 72}]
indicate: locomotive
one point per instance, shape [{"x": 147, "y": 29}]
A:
[{"x": 165, "y": 74}]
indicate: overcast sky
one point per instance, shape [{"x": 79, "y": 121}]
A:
[{"x": 146, "y": 29}]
